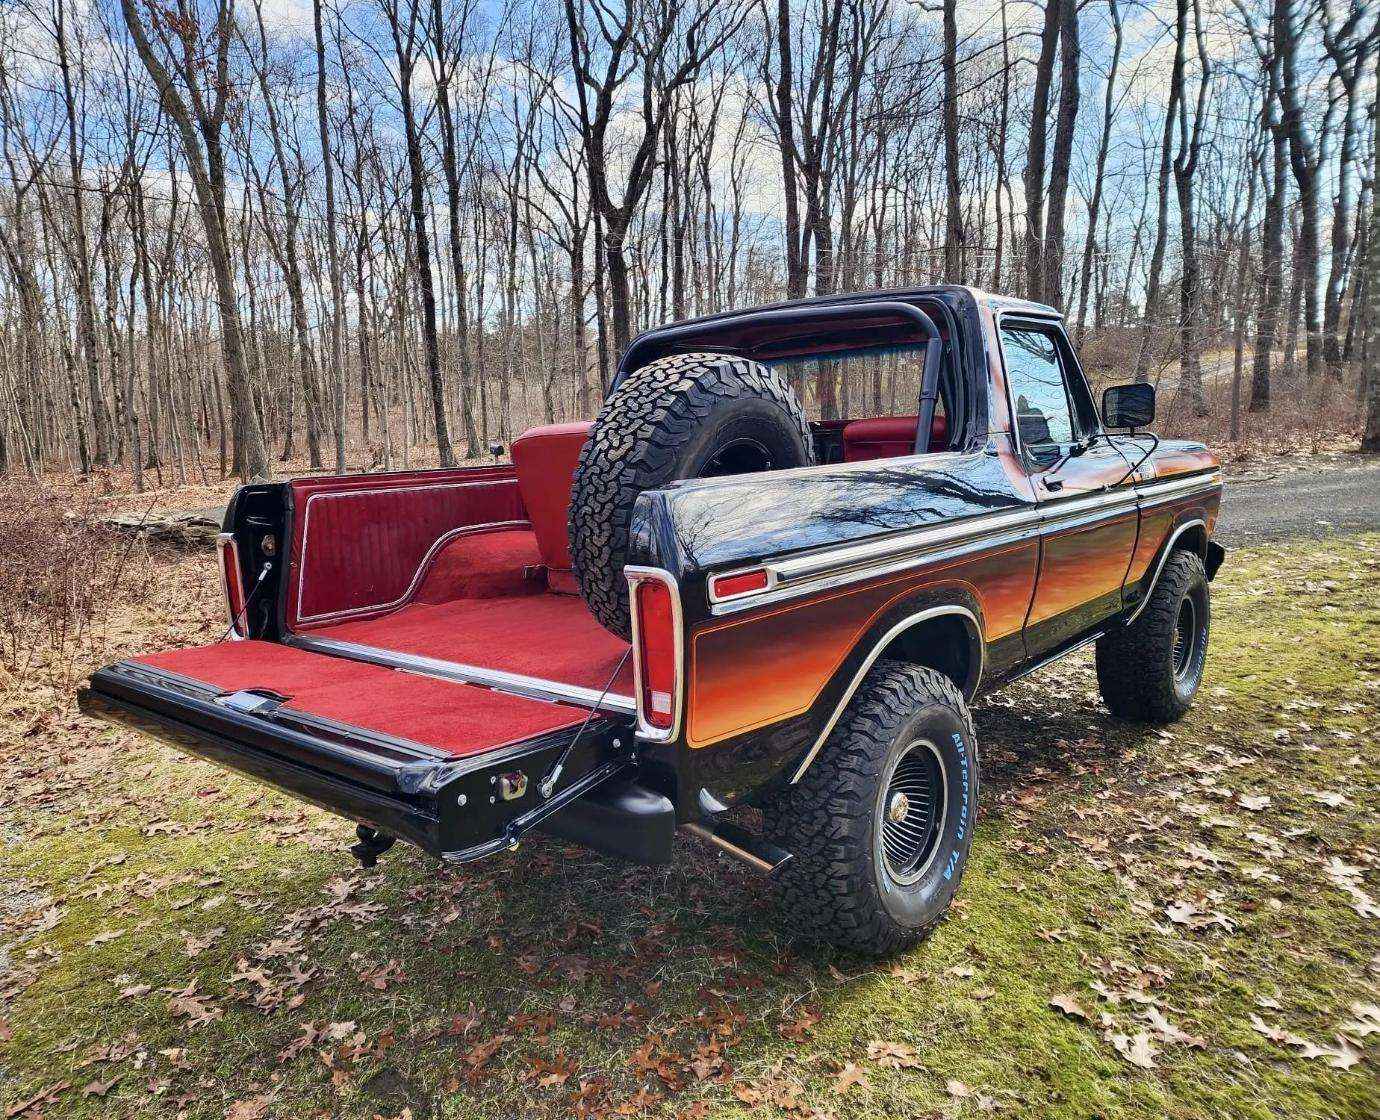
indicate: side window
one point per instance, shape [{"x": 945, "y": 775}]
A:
[{"x": 1035, "y": 379}]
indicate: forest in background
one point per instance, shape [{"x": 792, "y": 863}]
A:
[{"x": 238, "y": 233}]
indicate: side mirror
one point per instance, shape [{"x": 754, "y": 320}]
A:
[{"x": 1128, "y": 406}]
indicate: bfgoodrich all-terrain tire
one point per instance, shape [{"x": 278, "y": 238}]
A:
[
  {"x": 882, "y": 821},
  {"x": 1150, "y": 671},
  {"x": 685, "y": 416}
]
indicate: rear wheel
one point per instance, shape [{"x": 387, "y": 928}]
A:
[
  {"x": 882, "y": 821},
  {"x": 1150, "y": 671}
]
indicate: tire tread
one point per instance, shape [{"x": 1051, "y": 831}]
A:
[
  {"x": 1134, "y": 671},
  {"x": 634, "y": 446},
  {"x": 828, "y": 890}
]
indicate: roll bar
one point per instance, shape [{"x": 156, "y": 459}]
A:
[{"x": 645, "y": 346}]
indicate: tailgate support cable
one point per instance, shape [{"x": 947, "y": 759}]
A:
[
  {"x": 548, "y": 784},
  {"x": 248, "y": 601}
]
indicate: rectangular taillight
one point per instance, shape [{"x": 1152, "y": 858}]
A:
[
  {"x": 232, "y": 581},
  {"x": 657, "y": 652}
]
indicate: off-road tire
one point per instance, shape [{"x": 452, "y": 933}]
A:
[
  {"x": 674, "y": 418},
  {"x": 838, "y": 889},
  {"x": 1136, "y": 663}
]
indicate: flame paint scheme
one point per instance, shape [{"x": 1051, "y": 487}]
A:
[{"x": 856, "y": 551}]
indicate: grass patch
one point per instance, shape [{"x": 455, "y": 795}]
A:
[{"x": 1198, "y": 894}]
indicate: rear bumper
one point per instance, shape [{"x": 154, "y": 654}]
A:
[{"x": 450, "y": 807}]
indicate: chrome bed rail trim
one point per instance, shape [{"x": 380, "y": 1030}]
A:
[
  {"x": 534, "y": 688},
  {"x": 423, "y": 565}
]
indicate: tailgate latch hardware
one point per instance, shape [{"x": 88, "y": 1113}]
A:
[
  {"x": 252, "y": 702},
  {"x": 512, "y": 785}
]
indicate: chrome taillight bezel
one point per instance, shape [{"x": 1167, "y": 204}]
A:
[{"x": 637, "y": 575}]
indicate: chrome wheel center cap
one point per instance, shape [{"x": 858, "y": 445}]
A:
[{"x": 898, "y": 807}]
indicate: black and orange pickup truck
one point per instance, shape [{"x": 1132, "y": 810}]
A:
[{"x": 794, "y": 544}]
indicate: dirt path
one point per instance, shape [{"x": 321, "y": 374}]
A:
[{"x": 1283, "y": 499}]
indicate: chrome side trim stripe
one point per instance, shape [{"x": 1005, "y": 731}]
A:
[
  {"x": 834, "y": 567},
  {"x": 870, "y": 659},
  {"x": 534, "y": 688},
  {"x": 1208, "y": 481},
  {"x": 890, "y": 548}
]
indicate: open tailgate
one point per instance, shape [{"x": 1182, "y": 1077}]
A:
[{"x": 455, "y": 769}]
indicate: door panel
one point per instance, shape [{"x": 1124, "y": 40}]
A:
[
  {"x": 1089, "y": 537},
  {"x": 1088, "y": 504}
]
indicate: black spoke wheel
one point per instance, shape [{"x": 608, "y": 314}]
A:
[
  {"x": 738, "y": 456},
  {"x": 881, "y": 822},
  {"x": 1186, "y": 638},
  {"x": 912, "y": 813},
  {"x": 1150, "y": 670}
]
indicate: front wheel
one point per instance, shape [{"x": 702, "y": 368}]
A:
[
  {"x": 1150, "y": 671},
  {"x": 882, "y": 821}
]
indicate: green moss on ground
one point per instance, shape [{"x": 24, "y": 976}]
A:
[{"x": 1137, "y": 872}]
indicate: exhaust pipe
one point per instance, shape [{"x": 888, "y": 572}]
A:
[{"x": 761, "y": 855}]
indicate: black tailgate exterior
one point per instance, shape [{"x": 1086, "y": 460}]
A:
[{"x": 451, "y": 807}]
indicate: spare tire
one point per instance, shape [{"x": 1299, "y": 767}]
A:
[{"x": 684, "y": 416}]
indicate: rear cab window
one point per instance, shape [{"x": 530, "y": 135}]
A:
[{"x": 864, "y": 403}]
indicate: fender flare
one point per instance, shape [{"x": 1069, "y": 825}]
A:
[
  {"x": 969, "y": 611},
  {"x": 1165, "y": 553}
]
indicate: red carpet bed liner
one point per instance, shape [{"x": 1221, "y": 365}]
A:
[
  {"x": 553, "y": 637},
  {"x": 457, "y": 718}
]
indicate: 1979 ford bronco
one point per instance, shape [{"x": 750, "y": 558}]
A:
[{"x": 705, "y": 599}]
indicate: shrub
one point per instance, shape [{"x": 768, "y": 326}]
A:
[{"x": 61, "y": 573}]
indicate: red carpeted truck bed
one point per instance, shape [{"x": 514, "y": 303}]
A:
[
  {"x": 460, "y": 719},
  {"x": 551, "y": 637}
]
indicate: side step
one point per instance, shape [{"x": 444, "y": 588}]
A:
[{"x": 761, "y": 855}]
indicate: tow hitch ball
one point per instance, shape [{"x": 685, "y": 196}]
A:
[{"x": 372, "y": 844}]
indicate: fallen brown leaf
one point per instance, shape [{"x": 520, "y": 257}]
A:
[
  {"x": 1069, "y": 1005},
  {"x": 851, "y": 1074}
]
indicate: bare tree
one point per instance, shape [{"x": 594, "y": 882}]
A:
[{"x": 197, "y": 96}]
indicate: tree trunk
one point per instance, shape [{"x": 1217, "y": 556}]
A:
[
  {"x": 404, "y": 43},
  {"x": 1152, "y": 287},
  {"x": 1370, "y": 436},
  {"x": 1303, "y": 160},
  {"x": 1035, "y": 158},
  {"x": 1185, "y": 168},
  {"x": 1052, "y": 257},
  {"x": 333, "y": 248},
  {"x": 953, "y": 227},
  {"x": 455, "y": 208},
  {"x": 207, "y": 169},
  {"x": 1103, "y": 146}
]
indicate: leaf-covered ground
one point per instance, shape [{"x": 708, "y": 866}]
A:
[{"x": 1180, "y": 923}]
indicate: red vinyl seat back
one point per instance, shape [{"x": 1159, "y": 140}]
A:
[
  {"x": 545, "y": 459},
  {"x": 887, "y": 437}
]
